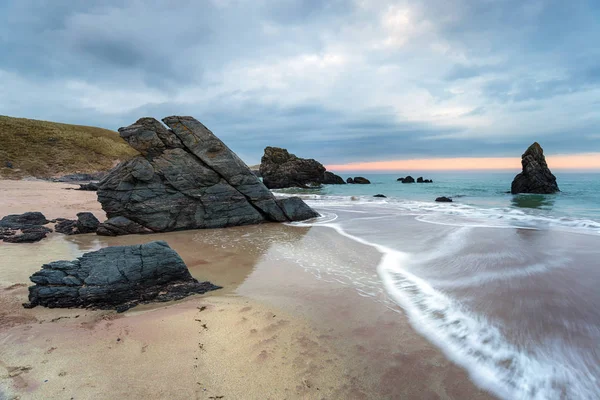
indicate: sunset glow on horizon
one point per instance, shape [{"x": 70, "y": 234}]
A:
[{"x": 574, "y": 161}]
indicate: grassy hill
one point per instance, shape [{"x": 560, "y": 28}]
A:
[{"x": 46, "y": 149}]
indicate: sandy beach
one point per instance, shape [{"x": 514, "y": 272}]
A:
[{"x": 278, "y": 329}]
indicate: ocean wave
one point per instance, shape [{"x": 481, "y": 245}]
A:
[
  {"x": 457, "y": 214},
  {"x": 471, "y": 340}
]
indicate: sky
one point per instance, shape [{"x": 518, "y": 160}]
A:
[{"x": 342, "y": 81}]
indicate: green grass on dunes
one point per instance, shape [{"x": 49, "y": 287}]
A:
[{"x": 45, "y": 149}]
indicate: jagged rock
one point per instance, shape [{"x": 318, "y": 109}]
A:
[
  {"x": 408, "y": 179},
  {"x": 280, "y": 169},
  {"x": 380, "y": 195},
  {"x": 361, "y": 181},
  {"x": 118, "y": 277},
  {"x": 444, "y": 199},
  {"x": 91, "y": 187},
  {"x": 349, "y": 180},
  {"x": 536, "y": 176},
  {"x": 86, "y": 223},
  {"x": 26, "y": 220},
  {"x": 329, "y": 178},
  {"x": 185, "y": 178}
]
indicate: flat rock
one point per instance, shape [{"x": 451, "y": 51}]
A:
[
  {"x": 185, "y": 178},
  {"x": 536, "y": 176},
  {"x": 443, "y": 199},
  {"x": 24, "y": 228},
  {"x": 86, "y": 223},
  {"x": 281, "y": 169},
  {"x": 118, "y": 277}
]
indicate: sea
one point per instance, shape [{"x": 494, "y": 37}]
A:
[{"x": 507, "y": 286}]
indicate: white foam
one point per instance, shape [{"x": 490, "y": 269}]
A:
[
  {"x": 472, "y": 341},
  {"x": 457, "y": 214}
]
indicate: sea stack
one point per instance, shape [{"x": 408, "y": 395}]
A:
[
  {"x": 186, "y": 178},
  {"x": 536, "y": 176}
]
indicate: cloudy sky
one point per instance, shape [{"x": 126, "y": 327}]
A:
[{"x": 341, "y": 81}]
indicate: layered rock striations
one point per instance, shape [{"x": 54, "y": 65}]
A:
[
  {"x": 117, "y": 277},
  {"x": 186, "y": 178},
  {"x": 280, "y": 169},
  {"x": 536, "y": 176}
]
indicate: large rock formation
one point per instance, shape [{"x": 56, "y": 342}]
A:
[
  {"x": 280, "y": 169},
  {"x": 185, "y": 178},
  {"x": 536, "y": 176},
  {"x": 118, "y": 277}
]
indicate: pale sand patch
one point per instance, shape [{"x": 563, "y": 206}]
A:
[
  {"x": 52, "y": 199},
  {"x": 198, "y": 349}
]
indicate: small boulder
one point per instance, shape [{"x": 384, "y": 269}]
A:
[
  {"x": 349, "y": 180},
  {"x": 118, "y": 277},
  {"x": 420, "y": 179},
  {"x": 361, "y": 181},
  {"x": 443, "y": 199},
  {"x": 536, "y": 176},
  {"x": 380, "y": 195},
  {"x": 24, "y": 228},
  {"x": 87, "y": 222},
  {"x": 408, "y": 179}
]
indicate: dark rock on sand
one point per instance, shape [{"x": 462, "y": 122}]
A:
[
  {"x": 92, "y": 186},
  {"x": 329, "y": 178},
  {"x": 24, "y": 228},
  {"x": 536, "y": 176},
  {"x": 28, "y": 235},
  {"x": 380, "y": 195},
  {"x": 295, "y": 207},
  {"x": 118, "y": 277},
  {"x": 349, "y": 180},
  {"x": 444, "y": 199},
  {"x": 185, "y": 178},
  {"x": 280, "y": 169},
  {"x": 94, "y": 176},
  {"x": 26, "y": 220},
  {"x": 8, "y": 164},
  {"x": 361, "y": 181},
  {"x": 86, "y": 223}
]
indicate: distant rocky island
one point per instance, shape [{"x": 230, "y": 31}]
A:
[
  {"x": 536, "y": 176},
  {"x": 186, "y": 178}
]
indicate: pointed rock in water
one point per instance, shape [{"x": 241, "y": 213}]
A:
[
  {"x": 118, "y": 277},
  {"x": 536, "y": 176},
  {"x": 185, "y": 178},
  {"x": 280, "y": 169}
]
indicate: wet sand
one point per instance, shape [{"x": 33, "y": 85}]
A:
[{"x": 282, "y": 327}]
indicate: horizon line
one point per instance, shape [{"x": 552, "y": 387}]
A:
[{"x": 583, "y": 161}]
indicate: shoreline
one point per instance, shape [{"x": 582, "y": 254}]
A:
[{"x": 280, "y": 328}]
